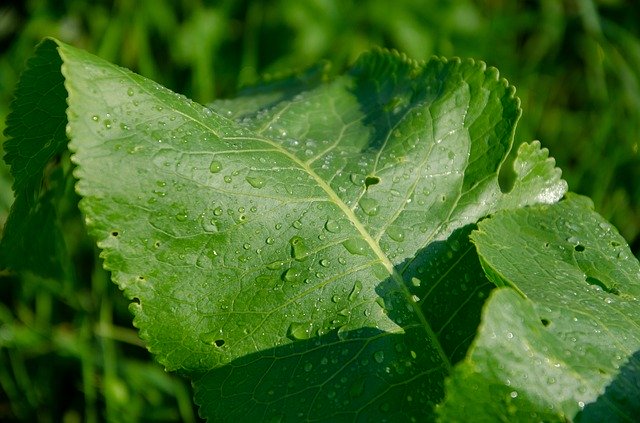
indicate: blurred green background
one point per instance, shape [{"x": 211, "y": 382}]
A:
[{"x": 67, "y": 349}]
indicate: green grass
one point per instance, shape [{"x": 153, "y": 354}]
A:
[{"x": 68, "y": 351}]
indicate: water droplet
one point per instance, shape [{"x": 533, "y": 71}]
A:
[
  {"x": 325, "y": 263},
  {"x": 95, "y": 118},
  {"x": 356, "y": 179},
  {"x": 227, "y": 179},
  {"x": 210, "y": 225},
  {"x": 256, "y": 182},
  {"x": 378, "y": 356},
  {"x": 369, "y": 206},
  {"x": 215, "y": 166},
  {"x": 291, "y": 275},
  {"x": 299, "y": 331},
  {"x": 395, "y": 233},
  {"x": 332, "y": 226},
  {"x": 217, "y": 211},
  {"x": 270, "y": 241},
  {"x": 275, "y": 265},
  {"x": 308, "y": 367},
  {"x": 299, "y": 250},
  {"x": 297, "y": 224},
  {"x": 107, "y": 123},
  {"x": 181, "y": 216},
  {"x": 513, "y": 394},
  {"x": 356, "y": 246},
  {"x": 357, "y": 287},
  {"x": 130, "y": 92}
]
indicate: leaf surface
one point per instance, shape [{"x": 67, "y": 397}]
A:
[
  {"x": 303, "y": 252},
  {"x": 559, "y": 345},
  {"x": 31, "y": 239}
]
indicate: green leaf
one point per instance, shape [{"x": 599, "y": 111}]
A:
[
  {"x": 303, "y": 252},
  {"x": 32, "y": 239},
  {"x": 563, "y": 344}
]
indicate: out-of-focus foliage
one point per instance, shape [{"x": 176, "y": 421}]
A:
[{"x": 576, "y": 65}]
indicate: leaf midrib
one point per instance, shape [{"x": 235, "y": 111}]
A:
[{"x": 373, "y": 244}]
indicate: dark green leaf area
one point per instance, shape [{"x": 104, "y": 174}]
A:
[
  {"x": 566, "y": 347},
  {"x": 36, "y": 124},
  {"x": 369, "y": 376},
  {"x": 36, "y": 138},
  {"x": 264, "y": 235}
]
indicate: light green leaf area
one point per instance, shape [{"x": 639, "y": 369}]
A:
[
  {"x": 568, "y": 347},
  {"x": 303, "y": 254}
]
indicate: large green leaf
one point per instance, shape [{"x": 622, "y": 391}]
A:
[
  {"x": 302, "y": 252},
  {"x": 564, "y": 343}
]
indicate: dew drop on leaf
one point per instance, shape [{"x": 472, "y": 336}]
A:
[
  {"x": 395, "y": 233},
  {"x": 378, "y": 356},
  {"x": 369, "y": 206},
  {"x": 181, "y": 216},
  {"x": 256, "y": 182},
  {"x": 299, "y": 331},
  {"x": 357, "y": 287},
  {"x": 332, "y": 226},
  {"x": 130, "y": 92},
  {"x": 291, "y": 275},
  {"x": 275, "y": 265},
  {"x": 270, "y": 240},
  {"x": 217, "y": 211},
  {"x": 210, "y": 225},
  {"x": 299, "y": 250},
  {"x": 356, "y": 179},
  {"x": 356, "y": 246},
  {"x": 215, "y": 166}
]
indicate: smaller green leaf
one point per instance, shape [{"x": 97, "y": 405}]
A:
[
  {"x": 550, "y": 352},
  {"x": 36, "y": 135}
]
